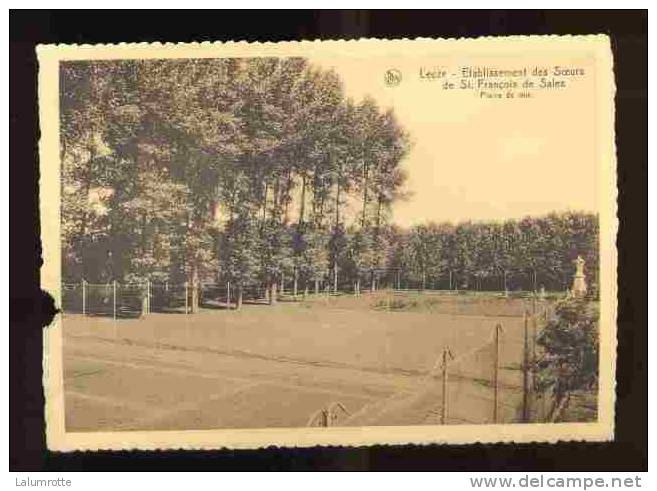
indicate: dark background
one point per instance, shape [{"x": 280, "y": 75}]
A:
[{"x": 30, "y": 309}]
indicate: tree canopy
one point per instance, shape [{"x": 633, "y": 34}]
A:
[
  {"x": 185, "y": 169},
  {"x": 250, "y": 170}
]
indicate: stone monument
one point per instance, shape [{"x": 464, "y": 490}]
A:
[{"x": 579, "y": 280}]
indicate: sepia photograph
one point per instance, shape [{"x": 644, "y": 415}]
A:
[{"x": 351, "y": 240}]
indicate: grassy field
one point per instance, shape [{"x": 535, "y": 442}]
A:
[{"x": 274, "y": 366}]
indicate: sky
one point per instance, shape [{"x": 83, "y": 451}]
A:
[{"x": 478, "y": 159}]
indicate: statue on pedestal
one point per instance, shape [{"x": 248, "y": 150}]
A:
[{"x": 579, "y": 280}]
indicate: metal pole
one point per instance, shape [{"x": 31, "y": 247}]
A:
[
  {"x": 114, "y": 306},
  {"x": 186, "y": 297},
  {"x": 148, "y": 296},
  {"x": 525, "y": 373},
  {"x": 498, "y": 327},
  {"x": 443, "y": 408},
  {"x": 143, "y": 297},
  {"x": 84, "y": 297},
  {"x": 533, "y": 351},
  {"x": 228, "y": 294}
]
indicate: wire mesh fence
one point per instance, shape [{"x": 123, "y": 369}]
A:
[
  {"x": 496, "y": 381},
  {"x": 107, "y": 299},
  {"x": 120, "y": 300},
  {"x": 136, "y": 299},
  {"x": 493, "y": 382}
]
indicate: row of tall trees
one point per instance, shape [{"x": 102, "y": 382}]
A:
[
  {"x": 525, "y": 254},
  {"x": 257, "y": 170},
  {"x": 182, "y": 170}
]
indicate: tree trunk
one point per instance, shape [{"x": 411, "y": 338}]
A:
[
  {"x": 365, "y": 186},
  {"x": 335, "y": 276},
  {"x": 302, "y": 206},
  {"x": 264, "y": 203},
  {"x": 337, "y": 200},
  {"x": 240, "y": 296},
  {"x": 378, "y": 212},
  {"x": 316, "y": 287},
  {"x": 87, "y": 190},
  {"x": 276, "y": 195},
  {"x": 320, "y": 215},
  {"x": 315, "y": 200},
  {"x": 194, "y": 296},
  {"x": 144, "y": 304},
  {"x": 560, "y": 404},
  {"x": 272, "y": 293},
  {"x": 296, "y": 283},
  {"x": 288, "y": 188}
]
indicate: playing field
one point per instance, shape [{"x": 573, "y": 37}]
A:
[{"x": 275, "y": 366}]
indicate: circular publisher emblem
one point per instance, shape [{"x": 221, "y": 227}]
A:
[{"x": 392, "y": 77}]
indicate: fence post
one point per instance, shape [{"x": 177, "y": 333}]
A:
[
  {"x": 114, "y": 303},
  {"x": 533, "y": 349},
  {"x": 525, "y": 372},
  {"x": 496, "y": 368},
  {"x": 84, "y": 297},
  {"x": 143, "y": 298},
  {"x": 148, "y": 296},
  {"x": 443, "y": 407}
]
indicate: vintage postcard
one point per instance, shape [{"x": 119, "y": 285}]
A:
[{"x": 329, "y": 243}]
